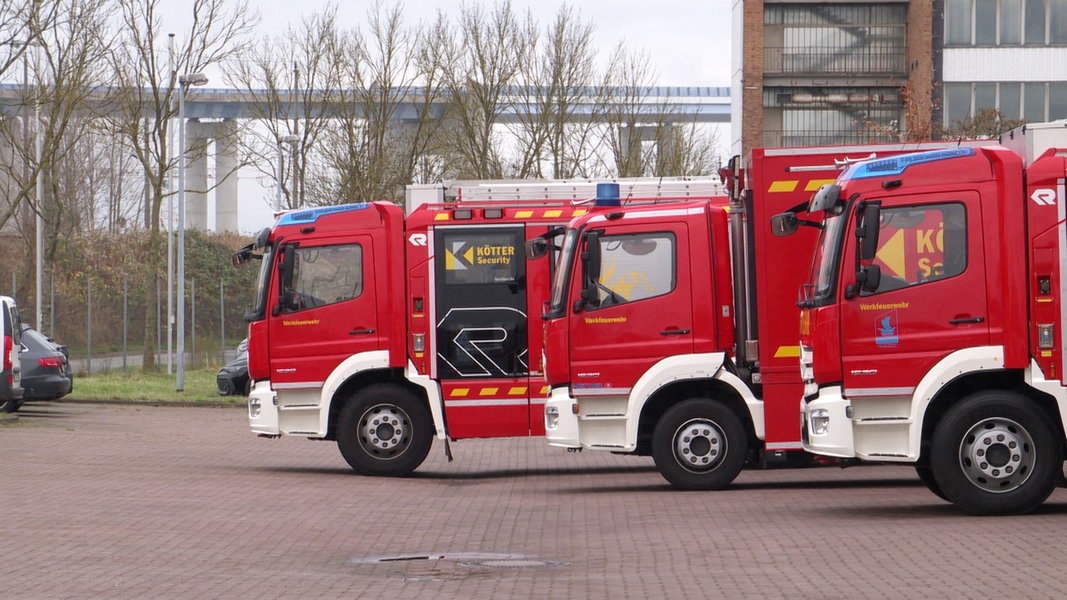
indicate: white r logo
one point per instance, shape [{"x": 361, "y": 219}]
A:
[
  {"x": 1044, "y": 197},
  {"x": 417, "y": 239}
]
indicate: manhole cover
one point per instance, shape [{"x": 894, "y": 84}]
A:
[
  {"x": 466, "y": 559},
  {"x": 512, "y": 563}
]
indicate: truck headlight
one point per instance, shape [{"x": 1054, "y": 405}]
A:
[
  {"x": 551, "y": 417},
  {"x": 820, "y": 421},
  {"x": 253, "y": 408}
]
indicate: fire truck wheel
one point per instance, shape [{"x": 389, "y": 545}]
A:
[
  {"x": 699, "y": 444},
  {"x": 996, "y": 453},
  {"x": 384, "y": 430},
  {"x": 10, "y": 406}
]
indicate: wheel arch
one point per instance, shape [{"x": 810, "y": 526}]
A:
[
  {"x": 964, "y": 385},
  {"x": 361, "y": 380},
  {"x": 676, "y": 392}
]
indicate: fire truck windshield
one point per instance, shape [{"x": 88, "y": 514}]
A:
[
  {"x": 556, "y": 307},
  {"x": 258, "y": 311},
  {"x": 827, "y": 259}
]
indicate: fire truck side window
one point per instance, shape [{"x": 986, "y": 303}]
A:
[
  {"x": 920, "y": 244},
  {"x": 324, "y": 275},
  {"x": 635, "y": 267}
]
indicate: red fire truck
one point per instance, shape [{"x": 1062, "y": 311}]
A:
[
  {"x": 671, "y": 329},
  {"x": 381, "y": 331},
  {"x": 932, "y": 328}
]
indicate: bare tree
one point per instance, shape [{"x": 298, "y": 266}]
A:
[
  {"x": 685, "y": 149},
  {"x": 72, "y": 61},
  {"x": 554, "y": 138},
  {"x": 145, "y": 99},
  {"x": 481, "y": 66},
  {"x": 986, "y": 123},
  {"x": 292, "y": 80},
  {"x": 386, "y": 107},
  {"x": 626, "y": 89},
  {"x": 22, "y": 25}
]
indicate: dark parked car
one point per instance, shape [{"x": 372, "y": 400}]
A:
[
  {"x": 46, "y": 370},
  {"x": 233, "y": 378}
]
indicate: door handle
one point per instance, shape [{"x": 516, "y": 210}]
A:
[
  {"x": 360, "y": 331},
  {"x": 674, "y": 332},
  {"x": 964, "y": 320}
]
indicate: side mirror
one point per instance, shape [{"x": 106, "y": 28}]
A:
[
  {"x": 867, "y": 232},
  {"x": 537, "y": 248},
  {"x": 242, "y": 256},
  {"x": 784, "y": 224}
]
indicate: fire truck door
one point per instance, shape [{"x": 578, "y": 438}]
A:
[
  {"x": 642, "y": 312},
  {"x": 481, "y": 336},
  {"x": 325, "y": 311},
  {"x": 931, "y": 297}
]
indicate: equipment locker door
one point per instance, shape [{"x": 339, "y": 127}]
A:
[
  {"x": 481, "y": 338},
  {"x": 326, "y": 310},
  {"x": 931, "y": 299}
]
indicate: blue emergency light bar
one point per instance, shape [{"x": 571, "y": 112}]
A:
[
  {"x": 896, "y": 165},
  {"x": 310, "y": 215}
]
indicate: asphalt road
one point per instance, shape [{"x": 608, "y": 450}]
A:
[{"x": 127, "y": 501}]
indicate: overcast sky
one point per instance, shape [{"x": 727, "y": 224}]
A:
[{"x": 688, "y": 41}]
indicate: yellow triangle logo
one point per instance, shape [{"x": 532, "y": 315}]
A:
[
  {"x": 469, "y": 255},
  {"x": 892, "y": 254}
]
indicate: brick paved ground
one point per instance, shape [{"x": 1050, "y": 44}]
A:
[{"x": 108, "y": 501}]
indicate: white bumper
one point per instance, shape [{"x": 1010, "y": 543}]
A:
[
  {"x": 827, "y": 427},
  {"x": 263, "y": 410},
  {"x": 561, "y": 424}
]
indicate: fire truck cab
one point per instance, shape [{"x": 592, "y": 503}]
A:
[
  {"x": 382, "y": 330},
  {"x": 932, "y": 327},
  {"x": 670, "y": 330}
]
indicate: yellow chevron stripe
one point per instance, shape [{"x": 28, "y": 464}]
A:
[
  {"x": 517, "y": 391},
  {"x": 815, "y": 184},
  {"x": 784, "y": 185},
  {"x": 489, "y": 391},
  {"x": 787, "y": 352},
  {"x": 460, "y": 392},
  {"x": 440, "y": 217}
]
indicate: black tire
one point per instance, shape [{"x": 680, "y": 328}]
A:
[
  {"x": 10, "y": 405},
  {"x": 926, "y": 475},
  {"x": 384, "y": 430},
  {"x": 699, "y": 444},
  {"x": 996, "y": 453}
]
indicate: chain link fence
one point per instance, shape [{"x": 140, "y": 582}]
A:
[{"x": 109, "y": 302}]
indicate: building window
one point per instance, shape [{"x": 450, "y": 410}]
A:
[
  {"x": 845, "y": 39},
  {"x": 1009, "y": 104},
  {"x": 957, "y": 102},
  {"x": 823, "y": 116},
  {"x": 1011, "y": 19},
  {"x": 1033, "y": 102},
  {"x": 1057, "y": 100},
  {"x": 1005, "y": 22}
]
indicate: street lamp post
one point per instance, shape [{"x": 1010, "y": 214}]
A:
[
  {"x": 292, "y": 140},
  {"x": 184, "y": 82}
]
